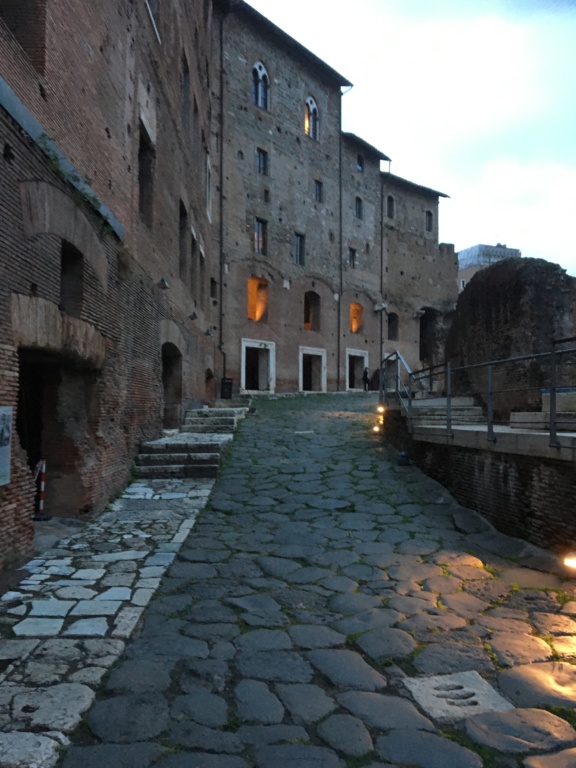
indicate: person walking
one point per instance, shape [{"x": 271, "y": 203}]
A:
[{"x": 366, "y": 379}]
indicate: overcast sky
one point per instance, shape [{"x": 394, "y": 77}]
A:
[{"x": 474, "y": 98}]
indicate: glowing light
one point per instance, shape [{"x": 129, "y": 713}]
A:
[
  {"x": 380, "y": 409},
  {"x": 376, "y": 428},
  {"x": 570, "y": 560}
]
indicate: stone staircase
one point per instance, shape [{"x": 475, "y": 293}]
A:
[
  {"x": 431, "y": 411},
  {"x": 196, "y": 451}
]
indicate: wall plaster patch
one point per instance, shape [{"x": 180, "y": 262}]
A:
[{"x": 449, "y": 698}]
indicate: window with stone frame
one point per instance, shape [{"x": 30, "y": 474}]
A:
[
  {"x": 311, "y": 119},
  {"x": 262, "y": 161},
  {"x": 298, "y": 252},
  {"x": 260, "y": 86},
  {"x": 358, "y": 208},
  {"x": 260, "y": 236}
]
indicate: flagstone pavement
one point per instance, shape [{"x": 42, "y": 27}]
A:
[{"x": 317, "y": 606}]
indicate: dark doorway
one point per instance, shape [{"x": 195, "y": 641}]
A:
[
  {"x": 252, "y": 368},
  {"x": 311, "y": 373},
  {"x": 429, "y": 328},
  {"x": 356, "y": 366},
  {"x": 172, "y": 386}
]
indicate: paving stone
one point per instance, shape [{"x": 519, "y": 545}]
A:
[
  {"x": 137, "y": 676},
  {"x": 125, "y": 755},
  {"x": 410, "y": 605},
  {"x": 260, "y": 735},
  {"x": 296, "y": 756},
  {"x": 200, "y": 738},
  {"x": 564, "y": 759},
  {"x": 348, "y": 669},
  {"x": 446, "y": 657},
  {"x": 94, "y": 627},
  {"x": 115, "y": 593},
  {"x": 526, "y": 577},
  {"x": 89, "y": 574},
  {"x": 385, "y": 643},
  {"x": 442, "y": 585},
  {"x": 256, "y": 703},
  {"x": 280, "y": 666},
  {"x": 464, "y": 604},
  {"x": 547, "y": 684},
  {"x": 263, "y": 640},
  {"x": 450, "y": 698},
  {"x": 58, "y": 708},
  {"x": 512, "y": 648},
  {"x": 428, "y": 622},
  {"x": 346, "y": 734},
  {"x": 306, "y": 703},
  {"x": 169, "y": 647},
  {"x": 126, "y": 620},
  {"x": 384, "y": 712},
  {"x": 520, "y": 731},
  {"x": 27, "y": 750},
  {"x": 16, "y": 649},
  {"x": 362, "y": 622},
  {"x": 416, "y": 572},
  {"x": 310, "y": 636},
  {"x": 129, "y": 719},
  {"x": 38, "y": 627},
  {"x": 96, "y": 608},
  {"x": 565, "y": 645},
  {"x": 425, "y": 750},
  {"x": 75, "y": 593},
  {"x": 553, "y": 624},
  {"x": 201, "y": 706},
  {"x": 51, "y": 607},
  {"x": 469, "y": 573},
  {"x": 355, "y": 603}
]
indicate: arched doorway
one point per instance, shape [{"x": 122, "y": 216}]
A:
[{"x": 172, "y": 386}]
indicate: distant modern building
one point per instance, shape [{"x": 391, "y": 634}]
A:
[{"x": 477, "y": 257}]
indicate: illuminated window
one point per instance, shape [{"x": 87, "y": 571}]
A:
[
  {"x": 258, "y": 299},
  {"x": 311, "y": 119},
  {"x": 358, "y": 209},
  {"x": 360, "y": 163},
  {"x": 311, "y": 311},
  {"x": 429, "y": 221},
  {"x": 260, "y": 236},
  {"x": 260, "y": 86},
  {"x": 393, "y": 329},
  {"x": 390, "y": 207},
  {"x": 356, "y": 317},
  {"x": 298, "y": 252},
  {"x": 262, "y": 161}
]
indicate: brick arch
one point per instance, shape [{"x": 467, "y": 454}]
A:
[
  {"x": 170, "y": 333},
  {"x": 48, "y": 210}
]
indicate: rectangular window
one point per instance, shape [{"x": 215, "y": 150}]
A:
[
  {"x": 260, "y": 236},
  {"x": 298, "y": 254},
  {"x": 26, "y": 20},
  {"x": 358, "y": 208},
  {"x": 208, "y": 188},
  {"x": 318, "y": 191},
  {"x": 213, "y": 288},
  {"x": 352, "y": 258},
  {"x": 194, "y": 266},
  {"x": 146, "y": 160},
  {"x": 185, "y": 98},
  {"x": 183, "y": 241},
  {"x": 262, "y": 161}
]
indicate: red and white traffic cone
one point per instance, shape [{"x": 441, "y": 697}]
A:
[{"x": 41, "y": 472}]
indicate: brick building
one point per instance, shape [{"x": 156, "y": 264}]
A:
[{"x": 178, "y": 205}]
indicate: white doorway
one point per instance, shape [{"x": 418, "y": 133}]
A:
[
  {"x": 356, "y": 362},
  {"x": 312, "y": 369},
  {"x": 258, "y": 366}
]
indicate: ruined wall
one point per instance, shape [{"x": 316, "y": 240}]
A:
[{"x": 513, "y": 308}]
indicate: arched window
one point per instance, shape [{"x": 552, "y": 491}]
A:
[
  {"x": 429, "y": 221},
  {"x": 311, "y": 311},
  {"x": 356, "y": 317},
  {"x": 260, "y": 86},
  {"x": 258, "y": 299},
  {"x": 71, "y": 280},
  {"x": 390, "y": 207},
  {"x": 393, "y": 326},
  {"x": 311, "y": 119}
]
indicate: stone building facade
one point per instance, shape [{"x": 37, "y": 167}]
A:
[{"x": 180, "y": 206}]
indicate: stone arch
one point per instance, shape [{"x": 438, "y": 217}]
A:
[
  {"x": 48, "y": 210},
  {"x": 171, "y": 346}
]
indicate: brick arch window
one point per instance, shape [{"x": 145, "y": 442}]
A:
[
  {"x": 429, "y": 221},
  {"x": 260, "y": 86},
  {"x": 356, "y": 317},
  {"x": 258, "y": 299},
  {"x": 71, "y": 280},
  {"x": 393, "y": 327},
  {"x": 311, "y": 311},
  {"x": 311, "y": 119}
]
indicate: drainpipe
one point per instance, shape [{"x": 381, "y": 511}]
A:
[
  {"x": 224, "y": 12},
  {"x": 341, "y": 276}
]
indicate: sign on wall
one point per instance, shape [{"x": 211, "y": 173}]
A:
[{"x": 5, "y": 443}]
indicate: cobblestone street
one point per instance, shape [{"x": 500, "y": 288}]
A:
[{"x": 318, "y": 606}]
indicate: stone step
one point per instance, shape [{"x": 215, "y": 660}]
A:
[
  {"x": 441, "y": 402},
  {"x": 205, "y": 446},
  {"x": 188, "y": 459},
  {"x": 162, "y": 471},
  {"x": 540, "y": 420},
  {"x": 210, "y": 413},
  {"x": 207, "y": 428}
]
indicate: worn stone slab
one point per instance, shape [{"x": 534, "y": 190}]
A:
[
  {"x": 129, "y": 719},
  {"x": 58, "y": 708},
  {"x": 565, "y": 645},
  {"x": 263, "y": 640},
  {"x": 386, "y": 643},
  {"x": 425, "y": 750},
  {"x": 352, "y": 603},
  {"x": 76, "y": 593},
  {"x": 306, "y": 703},
  {"x": 96, "y": 608},
  {"x": 256, "y": 703},
  {"x": 51, "y": 607},
  {"x": 450, "y": 698},
  {"x": 553, "y": 624},
  {"x": 140, "y": 755},
  {"x": 16, "y": 649},
  {"x": 564, "y": 759},
  {"x": 280, "y": 666},
  {"x": 346, "y": 734},
  {"x": 348, "y": 669},
  {"x": 259, "y": 735},
  {"x": 138, "y": 676},
  {"x": 201, "y": 706},
  {"x": 115, "y": 593},
  {"x": 416, "y": 572},
  {"x": 202, "y": 760},
  {"x": 520, "y": 731},
  {"x": 464, "y": 604},
  {"x": 373, "y": 619},
  {"x": 89, "y": 574},
  {"x": 428, "y": 622},
  {"x": 312, "y": 636},
  {"x": 297, "y": 756},
  {"x": 201, "y": 738},
  {"x": 546, "y": 684},
  {"x": 384, "y": 712},
  {"x": 446, "y": 657},
  {"x": 38, "y": 627},
  {"x": 92, "y": 627},
  {"x": 23, "y": 750},
  {"x": 513, "y": 649}
]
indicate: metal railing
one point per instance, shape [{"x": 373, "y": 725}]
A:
[{"x": 522, "y": 385}]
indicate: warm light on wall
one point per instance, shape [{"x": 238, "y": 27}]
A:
[
  {"x": 356, "y": 317},
  {"x": 570, "y": 560},
  {"x": 257, "y": 299}
]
